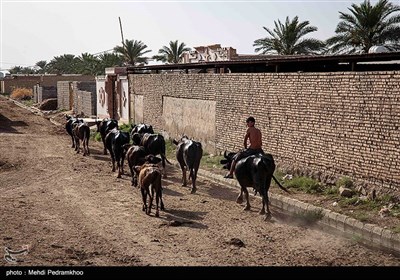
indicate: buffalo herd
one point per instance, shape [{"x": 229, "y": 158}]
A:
[{"x": 142, "y": 146}]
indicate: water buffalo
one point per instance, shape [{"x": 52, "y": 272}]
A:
[
  {"x": 154, "y": 144},
  {"x": 150, "y": 184},
  {"x": 81, "y": 131},
  {"x": 138, "y": 130},
  {"x": 137, "y": 155},
  {"x": 115, "y": 141},
  {"x": 189, "y": 154},
  {"x": 70, "y": 120},
  {"x": 103, "y": 127},
  {"x": 254, "y": 171}
]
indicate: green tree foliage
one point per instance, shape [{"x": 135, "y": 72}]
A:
[
  {"x": 366, "y": 26},
  {"x": 172, "y": 53},
  {"x": 87, "y": 64},
  {"x": 64, "y": 64},
  {"x": 132, "y": 52},
  {"x": 41, "y": 67},
  {"x": 21, "y": 70},
  {"x": 109, "y": 60},
  {"x": 288, "y": 39}
]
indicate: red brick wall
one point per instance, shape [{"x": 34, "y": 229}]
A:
[{"x": 324, "y": 124}]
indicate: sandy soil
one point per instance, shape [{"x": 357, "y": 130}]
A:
[{"x": 72, "y": 210}]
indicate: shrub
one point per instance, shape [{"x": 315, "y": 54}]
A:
[
  {"x": 305, "y": 184},
  {"x": 22, "y": 94},
  {"x": 344, "y": 182}
]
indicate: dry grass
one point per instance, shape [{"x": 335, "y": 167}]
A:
[{"x": 22, "y": 94}]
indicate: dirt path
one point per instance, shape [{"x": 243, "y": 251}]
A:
[{"x": 72, "y": 210}]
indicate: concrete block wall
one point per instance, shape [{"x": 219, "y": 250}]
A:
[
  {"x": 324, "y": 124},
  {"x": 84, "y": 96}
]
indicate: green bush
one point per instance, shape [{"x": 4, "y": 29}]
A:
[
  {"x": 305, "y": 184},
  {"x": 345, "y": 182}
]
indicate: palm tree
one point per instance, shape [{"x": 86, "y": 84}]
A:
[
  {"x": 287, "y": 39},
  {"x": 365, "y": 27},
  {"x": 42, "y": 65},
  {"x": 132, "y": 52},
  {"x": 87, "y": 64},
  {"x": 172, "y": 53},
  {"x": 64, "y": 64}
]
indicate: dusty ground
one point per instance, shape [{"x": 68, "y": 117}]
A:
[{"x": 72, "y": 210}]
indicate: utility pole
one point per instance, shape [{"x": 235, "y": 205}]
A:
[{"x": 122, "y": 34}]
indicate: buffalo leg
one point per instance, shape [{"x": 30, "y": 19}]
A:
[
  {"x": 246, "y": 194},
  {"x": 77, "y": 145},
  {"x": 157, "y": 201},
  {"x": 104, "y": 145},
  {"x": 73, "y": 142},
  {"x": 113, "y": 161},
  {"x": 193, "y": 176},
  {"x": 161, "y": 201},
  {"x": 184, "y": 182},
  {"x": 87, "y": 146},
  {"x": 150, "y": 195},
  {"x": 144, "y": 197},
  {"x": 239, "y": 199}
]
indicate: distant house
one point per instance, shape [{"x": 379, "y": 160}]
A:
[
  {"x": 209, "y": 53},
  {"x": 4, "y": 73},
  {"x": 113, "y": 95}
]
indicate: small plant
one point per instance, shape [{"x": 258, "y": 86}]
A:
[
  {"x": 345, "y": 182},
  {"x": 331, "y": 191},
  {"x": 210, "y": 161},
  {"x": 361, "y": 216},
  {"x": 170, "y": 149},
  {"x": 96, "y": 136},
  {"x": 28, "y": 103},
  {"x": 305, "y": 184},
  {"x": 357, "y": 238},
  {"x": 344, "y": 202},
  {"x": 311, "y": 216},
  {"x": 396, "y": 229},
  {"x": 126, "y": 127},
  {"x": 22, "y": 94}
]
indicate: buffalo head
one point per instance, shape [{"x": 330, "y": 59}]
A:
[{"x": 227, "y": 162}]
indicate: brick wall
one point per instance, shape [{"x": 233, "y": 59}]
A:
[
  {"x": 29, "y": 81},
  {"x": 83, "y": 96},
  {"x": 320, "y": 124},
  {"x": 41, "y": 93},
  {"x": 11, "y": 83}
]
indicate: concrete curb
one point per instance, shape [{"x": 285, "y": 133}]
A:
[{"x": 368, "y": 234}]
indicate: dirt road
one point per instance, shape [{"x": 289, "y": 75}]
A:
[{"x": 72, "y": 210}]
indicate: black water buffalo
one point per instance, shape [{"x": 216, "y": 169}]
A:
[
  {"x": 70, "y": 120},
  {"x": 103, "y": 127},
  {"x": 115, "y": 141},
  {"x": 189, "y": 154},
  {"x": 137, "y": 155},
  {"x": 138, "y": 130},
  {"x": 150, "y": 184},
  {"x": 154, "y": 144},
  {"x": 81, "y": 131},
  {"x": 254, "y": 171}
]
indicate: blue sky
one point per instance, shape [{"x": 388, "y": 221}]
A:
[{"x": 40, "y": 30}]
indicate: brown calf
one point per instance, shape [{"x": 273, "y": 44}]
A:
[{"x": 150, "y": 183}]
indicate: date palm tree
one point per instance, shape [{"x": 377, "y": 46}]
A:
[
  {"x": 366, "y": 26},
  {"x": 42, "y": 66},
  {"x": 288, "y": 39},
  {"x": 132, "y": 52},
  {"x": 172, "y": 53},
  {"x": 87, "y": 64},
  {"x": 63, "y": 64}
]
